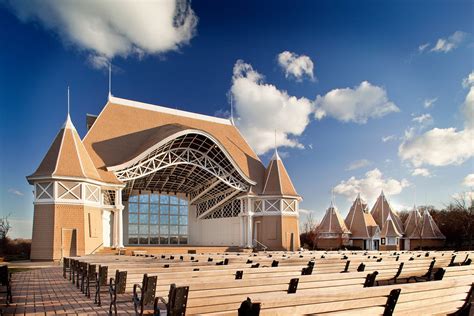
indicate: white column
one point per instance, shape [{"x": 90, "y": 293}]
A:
[
  {"x": 114, "y": 229},
  {"x": 242, "y": 231},
  {"x": 119, "y": 217},
  {"x": 249, "y": 231}
]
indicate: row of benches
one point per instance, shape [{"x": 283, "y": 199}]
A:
[{"x": 198, "y": 291}]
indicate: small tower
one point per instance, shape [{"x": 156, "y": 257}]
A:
[
  {"x": 276, "y": 209},
  {"x": 365, "y": 233},
  {"x": 332, "y": 232},
  {"x": 431, "y": 236},
  {"x": 382, "y": 210},
  {"x": 67, "y": 200},
  {"x": 390, "y": 235}
]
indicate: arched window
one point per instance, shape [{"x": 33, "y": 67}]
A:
[{"x": 157, "y": 219}]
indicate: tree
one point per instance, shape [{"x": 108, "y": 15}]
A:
[{"x": 4, "y": 227}]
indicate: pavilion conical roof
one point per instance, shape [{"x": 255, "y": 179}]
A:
[
  {"x": 413, "y": 224},
  {"x": 389, "y": 228},
  {"x": 67, "y": 157},
  {"x": 382, "y": 210},
  {"x": 429, "y": 229},
  {"x": 333, "y": 222},
  {"x": 277, "y": 180},
  {"x": 359, "y": 221}
]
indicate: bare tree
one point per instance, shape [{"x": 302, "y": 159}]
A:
[
  {"x": 465, "y": 203},
  {"x": 4, "y": 227}
]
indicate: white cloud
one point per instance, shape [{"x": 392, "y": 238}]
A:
[
  {"x": 421, "y": 172},
  {"x": 423, "y": 119},
  {"x": 468, "y": 106},
  {"x": 438, "y": 147},
  {"x": 370, "y": 186},
  {"x": 262, "y": 108},
  {"x": 296, "y": 66},
  {"x": 443, "y": 146},
  {"x": 357, "y": 105},
  {"x": 469, "y": 180},
  {"x": 446, "y": 45},
  {"x": 429, "y": 102},
  {"x": 15, "y": 192},
  {"x": 109, "y": 28},
  {"x": 358, "y": 164},
  {"x": 423, "y": 47},
  {"x": 466, "y": 196},
  {"x": 21, "y": 228},
  {"x": 388, "y": 138}
]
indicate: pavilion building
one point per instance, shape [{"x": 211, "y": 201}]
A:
[
  {"x": 147, "y": 175},
  {"x": 365, "y": 233},
  {"x": 332, "y": 232},
  {"x": 390, "y": 235},
  {"x": 382, "y": 210}
]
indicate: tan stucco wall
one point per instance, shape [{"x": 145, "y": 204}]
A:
[
  {"x": 42, "y": 237},
  {"x": 290, "y": 224},
  {"x": 358, "y": 243},
  {"x": 93, "y": 230},
  {"x": 389, "y": 247},
  {"x": 275, "y": 231},
  {"x": 329, "y": 243},
  {"x": 48, "y": 224}
]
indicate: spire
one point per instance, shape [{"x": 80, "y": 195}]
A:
[
  {"x": 275, "y": 155},
  {"x": 68, "y": 123},
  {"x": 110, "y": 80},
  {"x": 231, "y": 109},
  {"x": 67, "y": 100}
]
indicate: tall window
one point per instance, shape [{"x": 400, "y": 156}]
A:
[{"x": 157, "y": 219}]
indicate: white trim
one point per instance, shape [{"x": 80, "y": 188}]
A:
[
  {"x": 60, "y": 149},
  {"x": 86, "y": 180},
  {"x": 174, "y": 136},
  {"x": 162, "y": 109}
]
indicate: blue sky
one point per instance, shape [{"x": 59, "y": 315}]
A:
[{"x": 370, "y": 76}]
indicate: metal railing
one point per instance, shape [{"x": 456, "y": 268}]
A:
[{"x": 257, "y": 243}]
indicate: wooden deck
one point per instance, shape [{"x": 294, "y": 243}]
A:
[{"x": 45, "y": 292}]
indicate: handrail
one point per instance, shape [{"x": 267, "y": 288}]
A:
[
  {"x": 97, "y": 248},
  {"x": 260, "y": 244}
]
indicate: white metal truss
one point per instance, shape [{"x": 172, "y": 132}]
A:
[
  {"x": 214, "y": 203},
  {"x": 177, "y": 156},
  {"x": 230, "y": 209}
]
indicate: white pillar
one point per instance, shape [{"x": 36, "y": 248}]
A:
[
  {"x": 249, "y": 231},
  {"x": 119, "y": 217},
  {"x": 114, "y": 230},
  {"x": 242, "y": 230}
]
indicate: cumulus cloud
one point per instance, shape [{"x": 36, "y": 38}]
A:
[
  {"x": 429, "y": 102},
  {"x": 468, "y": 106},
  {"x": 356, "y": 104},
  {"x": 370, "y": 186},
  {"x": 469, "y": 180},
  {"x": 358, "y": 164},
  {"x": 388, "y": 138},
  {"x": 15, "y": 192},
  {"x": 449, "y": 43},
  {"x": 296, "y": 66},
  {"x": 109, "y": 28},
  {"x": 443, "y": 146},
  {"x": 263, "y": 109},
  {"x": 438, "y": 147},
  {"x": 421, "y": 172}
]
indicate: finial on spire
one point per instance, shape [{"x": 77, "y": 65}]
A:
[
  {"x": 275, "y": 155},
  {"x": 333, "y": 201},
  {"x": 110, "y": 79},
  {"x": 231, "y": 109},
  {"x": 68, "y": 101}
]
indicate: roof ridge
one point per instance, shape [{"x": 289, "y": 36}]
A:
[{"x": 167, "y": 110}]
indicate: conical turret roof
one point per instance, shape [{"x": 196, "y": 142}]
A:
[
  {"x": 429, "y": 229},
  {"x": 413, "y": 224},
  {"x": 332, "y": 222},
  {"x": 277, "y": 180},
  {"x": 389, "y": 228},
  {"x": 67, "y": 157},
  {"x": 382, "y": 210},
  {"x": 359, "y": 221}
]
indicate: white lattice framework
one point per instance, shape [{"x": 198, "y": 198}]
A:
[{"x": 193, "y": 164}]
